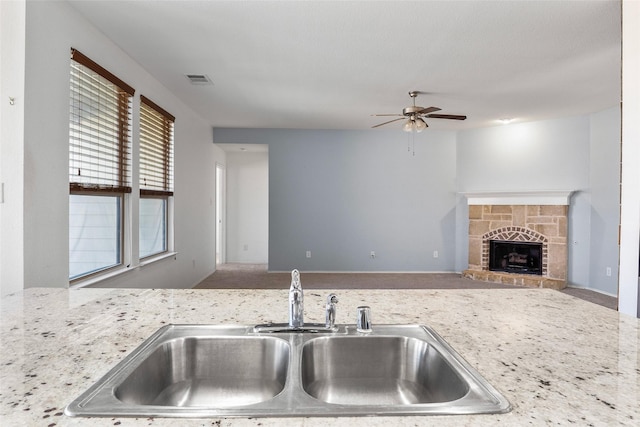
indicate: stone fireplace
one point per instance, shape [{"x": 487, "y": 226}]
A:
[{"x": 518, "y": 238}]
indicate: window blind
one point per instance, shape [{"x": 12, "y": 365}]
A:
[
  {"x": 99, "y": 128},
  {"x": 156, "y": 149}
]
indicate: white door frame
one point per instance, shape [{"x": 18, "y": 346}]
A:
[{"x": 221, "y": 203}]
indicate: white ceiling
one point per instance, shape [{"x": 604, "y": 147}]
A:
[{"x": 315, "y": 64}]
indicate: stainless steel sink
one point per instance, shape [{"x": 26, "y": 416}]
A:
[
  {"x": 207, "y": 371},
  {"x": 378, "y": 371},
  {"x": 196, "y": 371}
]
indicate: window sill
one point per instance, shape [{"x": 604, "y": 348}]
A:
[
  {"x": 156, "y": 258},
  {"x": 120, "y": 271},
  {"x": 97, "y": 279}
]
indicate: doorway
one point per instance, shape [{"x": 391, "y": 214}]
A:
[{"x": 243, "y": 219}]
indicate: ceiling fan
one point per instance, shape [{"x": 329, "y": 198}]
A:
[{"x": 415, "y": 115}]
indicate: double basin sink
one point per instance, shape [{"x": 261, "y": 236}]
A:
[{"x": 224, "y": 371}]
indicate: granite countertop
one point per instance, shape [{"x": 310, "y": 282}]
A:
[{"x": 557, "y": 359}]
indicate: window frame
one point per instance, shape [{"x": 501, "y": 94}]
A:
[
  {"x": 121, "y": 235},
  {"x": 163, "y": 190},
  {"x": 119, "y": 187},
  {"x": 166, "y": 227}
]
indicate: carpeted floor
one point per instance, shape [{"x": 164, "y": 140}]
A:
[{"x": 256, "y": 276}]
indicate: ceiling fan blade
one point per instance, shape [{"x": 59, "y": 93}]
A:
[
  {"x": 446, "y": 116},
  {"x": 428, "y": 110},
  {"x": 382, "y": 115},
  {"x": 385, "y": 123}
]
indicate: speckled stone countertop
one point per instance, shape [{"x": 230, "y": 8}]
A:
[{"x": 559, "y": 360}]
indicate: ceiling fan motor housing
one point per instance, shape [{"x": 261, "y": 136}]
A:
[{"x": 411, "y": 111}]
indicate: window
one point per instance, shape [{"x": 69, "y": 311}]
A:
[
  {"x": 95, "y": 240},
  {"x": 156, "y": 177},
  {"x": 99, "y": 166}
]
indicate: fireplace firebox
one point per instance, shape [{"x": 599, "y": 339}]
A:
[{"x": 515, "y": 257}]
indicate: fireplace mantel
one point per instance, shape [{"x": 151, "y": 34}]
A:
[{"x": 556, "y": 198}]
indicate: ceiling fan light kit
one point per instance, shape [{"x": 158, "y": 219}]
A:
[
  {"x": 415, "y": 116},
  {"x": 407, "y": 126},
  {"x": 414, "y": 124}
]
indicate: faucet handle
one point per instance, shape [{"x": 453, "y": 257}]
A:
[
  {"x": 330, "y": 311},
  {"x": 364, "y": 319}
]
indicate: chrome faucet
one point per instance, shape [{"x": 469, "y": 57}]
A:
[
  {"x": 330, "y": 312},
  {"x": 296, "y": 301},
  {"x": 296, "y": 313}
]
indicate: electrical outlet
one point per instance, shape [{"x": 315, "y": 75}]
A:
[
  {"x": 308, "y": 254},
  {"x": 373, "y": 254},
  {"x": 608, "y": 271},
  {"x": 436, "y": 254}
]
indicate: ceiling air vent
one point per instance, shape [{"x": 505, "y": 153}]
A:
[{"x": 199, "y": 79}]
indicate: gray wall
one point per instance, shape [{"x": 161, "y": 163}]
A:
[
  {"x": 604, "y": 178},
  {"x": 343, "y": 194}
]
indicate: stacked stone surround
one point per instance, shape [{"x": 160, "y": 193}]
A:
[{"x": 546, "y": 224}]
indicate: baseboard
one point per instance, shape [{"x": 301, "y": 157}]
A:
[
  {"x": 592, "y": 290},
  {"x": 364, "y": 272}
]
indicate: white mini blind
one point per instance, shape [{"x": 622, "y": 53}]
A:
[
  {"x": 156, "y": 149},
  {"x": 99, "y": 128}
]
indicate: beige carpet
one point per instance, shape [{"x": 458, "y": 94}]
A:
[{"x": 256, "y": 276}]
